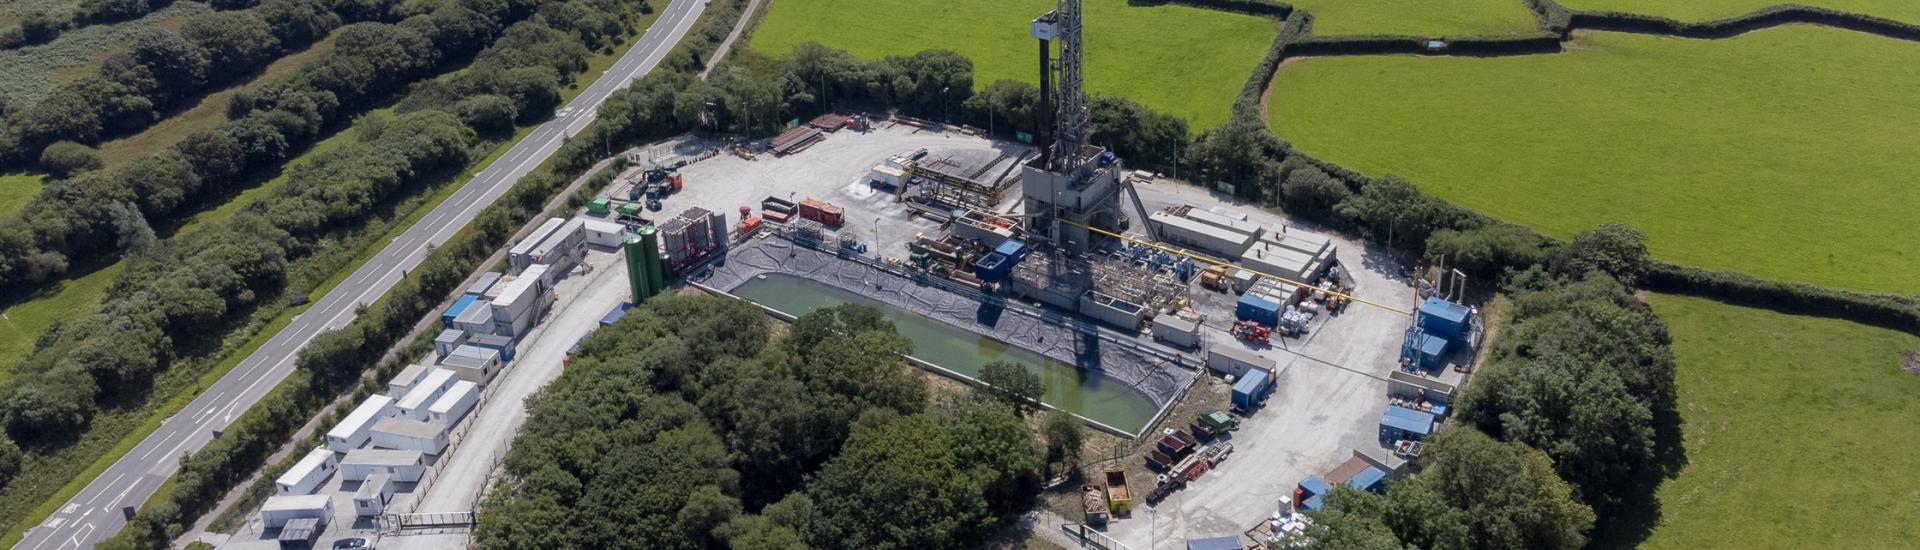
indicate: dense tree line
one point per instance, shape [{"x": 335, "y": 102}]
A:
[
  {"x": 1473, "y": 492},
  {"x": 176, "y": 297},
  {"x": 42, "y": 26},
  {"x": 683, "y": 427},
  {"x": 1578, "y": 388},
  {"x": 161, "y": 71}
]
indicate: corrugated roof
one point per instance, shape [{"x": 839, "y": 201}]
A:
[
  {"x": 1367, "y": 479},
  {"x": 559, "y": 237},
  {"x": 361, "y": 415},
  {"x": 480, "y": 315},
  {"x": 1407, "y": 419},
  {"x": 1315, "y": 485},
  {"x": 539, "y": 234},
  {"x": 448, "y": 336},
  {"x": 486, "y": 281},
  {"x": 461, "y": 305}
]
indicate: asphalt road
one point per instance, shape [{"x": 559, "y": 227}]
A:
[{"x": 95, "y": 513}]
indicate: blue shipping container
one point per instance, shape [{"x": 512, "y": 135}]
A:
[
  {"x": 1399, "y": 423},
  {"x": 993, "y": 267},
  {"x": 1432, "y": 349},
  {"x": 1370, "y": 479},
  {"x": 1251, "y": 389},
  {"x": 1013, "y": 249},
  {"x": 446, "y": 319},
  {"x": 1444, "y": 318},
  {"x": 1257, "y": 309}
]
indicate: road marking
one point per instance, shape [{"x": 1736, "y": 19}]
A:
[
  {"x": 116, "y": 498},
  {"x": 76, "y": 538},
  {"x": 110, "y": 484}
]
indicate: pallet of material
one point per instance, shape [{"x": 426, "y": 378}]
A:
[
  {"x": 796, "y": 140},
  {"x": 830, "y": 122}
]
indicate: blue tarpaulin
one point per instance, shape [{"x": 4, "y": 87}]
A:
[{"x": 1214, "y": 543}]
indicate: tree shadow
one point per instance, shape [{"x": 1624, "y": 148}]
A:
[{"x": 1629, "y": 523}]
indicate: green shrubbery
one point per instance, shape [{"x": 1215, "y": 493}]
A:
[{"x": 822, "y": 439}]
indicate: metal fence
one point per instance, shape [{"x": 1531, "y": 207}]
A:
[{"x": 1090, "y": 537}]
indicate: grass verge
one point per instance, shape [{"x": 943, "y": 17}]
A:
[
  {"x": 1774, "y": 153},
  {"x": 1796, "y": 431},
  {"x": 16, "y": 189}
]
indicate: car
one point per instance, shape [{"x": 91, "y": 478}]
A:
[
  {"x": 352, "y": 544},
  {"x": 920, "y": 153}
]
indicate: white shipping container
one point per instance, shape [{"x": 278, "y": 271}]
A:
[
  {"x": 413, "y": 406},
  {"x": 403, "y": 466},
  {"x": 454, "y": 404},
  {"x": 351, "y": 432},
  {"x": 279, "y": 510},
  {"x": 401, "y": 434},
  {"x": 307, "y": 474}
]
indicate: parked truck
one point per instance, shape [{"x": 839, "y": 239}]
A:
[{"x": 1119, "y": 497}]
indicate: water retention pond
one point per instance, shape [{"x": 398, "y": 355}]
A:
[{"x": 1088, "y": 393}]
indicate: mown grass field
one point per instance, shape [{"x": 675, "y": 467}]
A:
[
  {"x": 1418, "y": 17},
  {"x": 1179, "y": 60},
  {"x": 1799, "y": 432},
  {"x": 1702, "y": 10},
  {"x": 1783, "y": 153},
  {"x": 16, "y": 188}
]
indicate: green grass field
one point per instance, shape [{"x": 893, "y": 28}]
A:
[
  {"x": 27, "y": 74},
  {"x": 1799, "y": 432},
  {"x": 1179, "y": 60},
  {"x": 1703, "y": 10},
  {"x": 1778, "y": 153},
  {"x": 16, "y": 188},
  {"x": 1418, "y": 17}
]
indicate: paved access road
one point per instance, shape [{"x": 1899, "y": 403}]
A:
[{"x": 95, "y": 513}]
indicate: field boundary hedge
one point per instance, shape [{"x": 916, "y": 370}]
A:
[
  {"x": 1263, "y": 8},
  {"x": 1771, "y": 16},
  {"x": 1890, "y": 311}
]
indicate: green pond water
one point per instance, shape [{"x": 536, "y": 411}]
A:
[{"x": 1086, "y": 393}]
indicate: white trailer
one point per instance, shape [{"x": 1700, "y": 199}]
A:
[
  {"x": 307, "y": 474},
  {"x": 373, "y": 496},
  {"x": 351, "y": 432},
  {"x": 454, "y": 404},
  {"x": 414, "y": 404},
  {"x": 521, "y": 255},
  {"x": 1229, "y": 360},
  {"x": 405, "y": 380},
  {"x": 279, "y": 510},
  {"x": 604, "y": 234},
  {"x": 401, "y": 434},
  {"x": 402, "y": 466}
]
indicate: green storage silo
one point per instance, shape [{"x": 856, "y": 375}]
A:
[{"x": 645, "y": 271}]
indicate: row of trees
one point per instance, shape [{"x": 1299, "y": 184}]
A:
[
  {"x": 518, "y": 78},
  {"x": 682, "y": 427},
  {"x": 176, "y": 297},
  {"x": 161, "y": 71},
  {"x": 1570, "y": 425}
]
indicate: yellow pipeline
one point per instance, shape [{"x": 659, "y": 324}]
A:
[{"x": 1204, "y": 258}]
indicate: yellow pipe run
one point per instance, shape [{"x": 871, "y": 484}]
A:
[{"x": 1206, "y": 259}]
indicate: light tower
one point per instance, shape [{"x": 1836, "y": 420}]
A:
[{"x": 1072, "y": 185}]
